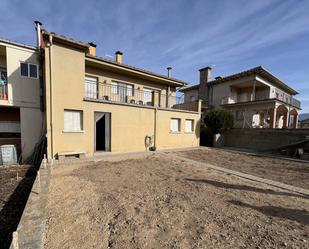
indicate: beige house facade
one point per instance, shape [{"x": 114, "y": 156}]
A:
[
  {"x": 96, "y": 105},
  {"x": 20, "y": 97},
  {"x": 256, "y": 97}
]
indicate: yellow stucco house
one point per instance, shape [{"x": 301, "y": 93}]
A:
[{"x": 94, "y": 104}]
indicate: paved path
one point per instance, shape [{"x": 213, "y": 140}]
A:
[{"x": 243, "y": 175}]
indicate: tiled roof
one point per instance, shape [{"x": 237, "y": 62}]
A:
[
  {"x": 86, "y": 45},
  {"x": 17, "y": 44},
  {"x": 257, "y": 71},
  {"x": 137, "y": 69},
  {"x": 65, "y": 38}
]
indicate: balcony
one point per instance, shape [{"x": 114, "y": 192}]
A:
[
  {"x": 3, "y": 90},
  {"x": 295, "y": 103},
  {"x": 127, "y": 94},
  {"x": 233, "y": 99}
]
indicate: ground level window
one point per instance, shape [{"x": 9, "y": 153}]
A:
[
  {"x": 73, "y": 120},
  {"x": 175, "y": 124},
  {"x": 189, "y": 125}
]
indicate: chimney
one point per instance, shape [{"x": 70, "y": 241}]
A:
[
  {"x": 119, "y": 57},
  {"x": 205, "y": 77},
  {"x": 38, "y": 27},
  {"x": 92, "y": 49},
  {"x": 169, "y": 72}
]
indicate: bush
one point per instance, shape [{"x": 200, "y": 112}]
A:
[{"x": 218, "y": 120}]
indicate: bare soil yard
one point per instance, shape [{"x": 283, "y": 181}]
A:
[
  {"x": 13, "y": 197},
  {"x": 156, "y": 201},
  {"x": 286, "y": 171}
]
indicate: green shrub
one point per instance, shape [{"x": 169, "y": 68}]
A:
[{"x": 218, "y": 120}]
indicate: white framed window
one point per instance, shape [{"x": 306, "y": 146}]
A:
[
  {"x": 148, "y": 96},
  {"x": 91, "y": 87},
  {"x": 192, "y": 98},
  {"x": 129, "y": 90},
  {"x": 189, "y": 125},
  {"x": 73, "y": 120},
  {"x": 175, "y": 125},
  {"x": 29, "y": 70},
  {"x": 123, "y": 88},
  {"x": 114, "y": 88}
]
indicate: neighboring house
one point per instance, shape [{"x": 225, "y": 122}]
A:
[
  {"x": 257, "y": 98},
  {"x": 304, "y": 124},
  {"x": 20, "y": 100},
  {"x": 94, "y": 104}
]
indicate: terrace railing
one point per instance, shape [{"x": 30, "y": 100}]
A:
[
  {"x": 295, "y": 102},
  {"x": 122, "y": 93},
  {"x": 232, "y": 99}
]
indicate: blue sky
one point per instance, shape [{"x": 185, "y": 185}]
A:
[{"x": 187, "y": 35}]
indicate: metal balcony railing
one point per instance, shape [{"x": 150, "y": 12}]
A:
[
  {"x": 3, "y": 90},
  {"x": 295, "y": 102},
  {"x": 232, "y": 99},
  {"x": 125, "y": 93}
]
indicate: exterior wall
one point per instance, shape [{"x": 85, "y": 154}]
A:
[
  {"x": 264, "y": 139},
  {"x": 129, "y": 124},
  {"x": 223, "y": 90},
  {"x": 189, "y": 94},
  {"x": 190, "y": 106},
  {"x": 31, "y": 120},
  {"x": 166, "y": 139},
  {"x": 23, "y": 93},
  {"x": 2, "y": 61}
]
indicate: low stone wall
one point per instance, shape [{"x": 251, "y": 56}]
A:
[{"x": 263, "y": 139}]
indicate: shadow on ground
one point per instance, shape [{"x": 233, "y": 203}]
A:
[
  {"x": 301, "y": 216},
  {"x": 244, "y": 187},
  {"x": 12, "y": 211}
]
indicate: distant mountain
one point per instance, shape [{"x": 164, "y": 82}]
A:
[{"x": 303, "y": 116}]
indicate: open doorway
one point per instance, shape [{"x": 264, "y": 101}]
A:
[{"x": 102, "y": 131}]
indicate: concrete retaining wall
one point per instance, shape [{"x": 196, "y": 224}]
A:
[
  {"x": 263, "y": 139},
  {"x": 30, "y": 230}
]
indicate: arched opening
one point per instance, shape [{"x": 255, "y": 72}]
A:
[
  {"x": 282, "y": 117},
  {"x": 293, "y": 119}
]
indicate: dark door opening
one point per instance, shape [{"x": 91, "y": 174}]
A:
[{"x": 102, "y": 131}]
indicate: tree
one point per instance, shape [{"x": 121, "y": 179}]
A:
[{"x": 218, "y": 120}]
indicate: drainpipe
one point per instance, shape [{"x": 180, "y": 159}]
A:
[
  {"x": 168, "y": 89},
  {"x": 155, "y": 128},
  {"x": 169, "y": 74},
  {"x": 51, "y": 97}
]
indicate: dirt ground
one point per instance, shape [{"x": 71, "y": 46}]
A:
[
  {"x": 286, "y": 171},
  {"x": 156, "y": 201},
  {"x": 13, "y": 197}
]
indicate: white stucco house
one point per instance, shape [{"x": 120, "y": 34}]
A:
[{"x": 257, "y": 98}]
